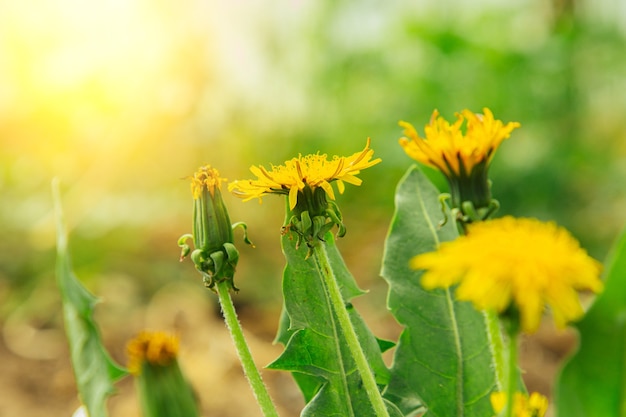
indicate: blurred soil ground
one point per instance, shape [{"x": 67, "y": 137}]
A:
[{"x": 41, "y": 384}]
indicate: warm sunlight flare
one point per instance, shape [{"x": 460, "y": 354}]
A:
[
  {"x": 85, "y": 86},
  {"x": 95, "y": 93}
]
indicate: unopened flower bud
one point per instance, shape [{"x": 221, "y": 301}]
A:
[{"x": 215, "y": 255}]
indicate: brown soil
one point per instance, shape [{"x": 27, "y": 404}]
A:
[{"x": 37, "y": 378}]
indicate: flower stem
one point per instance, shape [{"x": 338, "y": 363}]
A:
[
  {"x": 351, "y": 339},
  {"x": 496, "y": 345},
  {"x": 249, "y": 368},
  {"x": 511, "y": 386}
]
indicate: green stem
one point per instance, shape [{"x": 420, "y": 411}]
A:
[
  {"x": 352, "y": 341},
  {"x": 496, "y": 345},
  {"x": 249, "y": 368},
  {"x": 343, "y": 390},
  {"x": 511, "y": 386},
  {"x": 492, "y": 323}
]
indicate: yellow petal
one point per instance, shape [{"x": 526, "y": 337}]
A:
[{"x": 293, "y": 197}]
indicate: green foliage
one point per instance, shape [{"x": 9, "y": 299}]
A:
[
  {"x": 593, "y": 382},
  {"x": 443, "y": 359},
  {"x": 315, "y": 351},
  {"x": 94, "y": 370}
]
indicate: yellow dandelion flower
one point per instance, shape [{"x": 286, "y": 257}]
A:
[
  {"x": 519, "y": 262},
  {"x": 534, "y": 405},
  {"x": 313, "y": 171},
  {"x": 161, "y": 384},
  {"x": 206, "y": 178},
  {"x": 463, "y": 157},
  {"x": 154, "y": 348},
  {"x": 451, "y": 151}
]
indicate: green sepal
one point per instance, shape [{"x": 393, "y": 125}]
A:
[
  {"x": 215, "y": 256},
  {"x": 243, "y": 226},
  {"x": 185, "y": 248},
  {"x": 219, "y": 260},
  {"x": 211, "y": 223},
  {"x": 313, "y": 216}
]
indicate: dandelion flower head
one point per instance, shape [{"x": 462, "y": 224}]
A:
[
  {"x": 314, "y": 171},
  {"x": 521, "y": 262},
  {"x": 453, "y": 152},
  {"x": 155, "y": 348},
  {"x": 206, "y": 178}
]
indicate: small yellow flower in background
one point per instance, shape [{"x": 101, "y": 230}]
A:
[
  {"x": 314, "y": 171},
  {"x": 519, "y": 263},
  {"x": 524, "y": 406},
  {"x": 463, "y": 157},
  {"x": 154, "y": 348},
  {"x": 163, "y": 389}
]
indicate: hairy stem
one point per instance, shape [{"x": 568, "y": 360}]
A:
[
  {"x": 351, "y": 339},
  {"x": 496, "y": 345},
  {"x": 249, "y": 368},
  {"x": 511, "y": 386}
]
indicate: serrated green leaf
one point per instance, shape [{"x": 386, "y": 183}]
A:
[
  {"x": 443, "y": 359},
  {"x": 315, "y": 351},
  {"x": 593, "y": 382},
  {"x": 94, "y": 370}
]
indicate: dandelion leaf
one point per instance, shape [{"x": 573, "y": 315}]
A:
[
  {"x": 315, "y": 350},
  {"x": 443, "y": 360},
  {"x": 94, "y": 370},
  {"x": 593, "y": 382}
]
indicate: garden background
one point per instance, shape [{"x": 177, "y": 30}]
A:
[{"x": 121, "y": 99}]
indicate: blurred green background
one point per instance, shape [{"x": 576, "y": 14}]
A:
[{"x": 121, "y": 99}]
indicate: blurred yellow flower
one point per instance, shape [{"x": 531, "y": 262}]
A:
[
  {"x": 163, "y": 389},
  {"x": 448, "y": 149},
  {"x": 154, "y": 348},
  {"x": 524, "y": 406},
  {"x": 206, "y": 177},
  {"x": 314, "y": 171},
  {"x": 519, "y": 262}
]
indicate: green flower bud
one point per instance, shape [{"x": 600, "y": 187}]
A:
[
  {"x": 214, "y": 256},
  {"x": 211, "y": 223}
]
